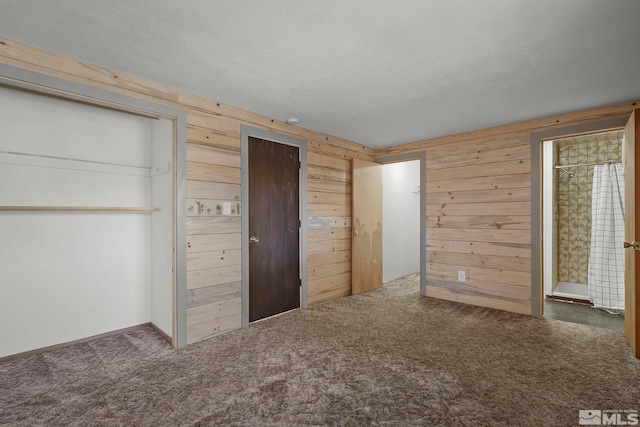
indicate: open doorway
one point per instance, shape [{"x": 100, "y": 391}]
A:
[
  {"x": 400, "y": 220},
  {"x": 367, "y": 233},
  {"x": 404, "y": 218},
  {"x": 583, "y": 229}
]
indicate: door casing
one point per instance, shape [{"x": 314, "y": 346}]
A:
[{"x": 245, "y": 133}]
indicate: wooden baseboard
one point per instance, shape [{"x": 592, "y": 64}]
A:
[
  {"x": 81, "y": 340},
  {"x": 162, "y": 333}
]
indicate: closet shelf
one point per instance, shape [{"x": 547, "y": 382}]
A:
[{"x": 80, "y": 208}]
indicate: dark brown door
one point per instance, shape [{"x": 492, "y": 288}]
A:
[{"x": 274, "y": 223}]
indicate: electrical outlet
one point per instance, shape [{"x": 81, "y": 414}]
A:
[{"x": 461, "y": 276}]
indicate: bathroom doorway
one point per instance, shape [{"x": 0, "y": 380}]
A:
[{"x": 583, "y": 229}]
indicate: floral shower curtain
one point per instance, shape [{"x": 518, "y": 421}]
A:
[{"x": 606, "y": 259}]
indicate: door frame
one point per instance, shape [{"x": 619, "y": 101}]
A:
[
  {"x": 537, "y": 274},
  {"x": 45, "y": 85},
  {"x": 405, "y": 157},
  {"x": 245, "y": 133}
]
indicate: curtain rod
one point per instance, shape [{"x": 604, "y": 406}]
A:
[{"x": 585, "y": 164}]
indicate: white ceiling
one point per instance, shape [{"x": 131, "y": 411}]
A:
[{"x": 378, "y": 72}]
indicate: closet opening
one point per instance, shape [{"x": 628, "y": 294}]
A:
[{"x": 92, "y": 216}]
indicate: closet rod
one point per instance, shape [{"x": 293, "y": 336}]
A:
[
  {"x": 585, "y": 164},
  {"x": 72, "y": 159},
  {"x": 80, "y": 208}
]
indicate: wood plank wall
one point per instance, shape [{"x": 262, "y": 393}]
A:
[
  {"x": 479, "y": 210},
  {"x": 478, "y": 199},
  {"x": 213, "y": 178},
  {"x": 479, "y": 221},
  {"x": 213, "y": 237}
]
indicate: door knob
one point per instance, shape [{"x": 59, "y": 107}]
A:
[
  {"x": 355, "y": 233},
  {"x": 634, "y": 245},
  {"x": 253, "y": 239}
]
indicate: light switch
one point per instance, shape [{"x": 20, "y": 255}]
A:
[{"x": 226, "y": 208}]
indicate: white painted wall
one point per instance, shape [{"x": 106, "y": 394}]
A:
[
  {"x": 66, "y": 276},
  {"x": 400, "y": 219},
  {"x": 162, "y": 231}
]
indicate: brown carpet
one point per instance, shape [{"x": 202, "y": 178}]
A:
[{"x": 387, "y": 357}]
